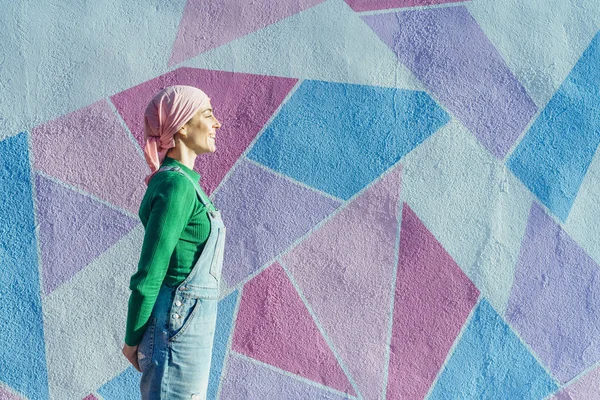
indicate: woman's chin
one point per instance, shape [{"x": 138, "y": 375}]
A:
[{"x": 211, "y": 149}]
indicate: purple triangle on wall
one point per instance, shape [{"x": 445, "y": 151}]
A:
[
  {"x": 256, "y": 381},
  {"x": 73, "y": 230},
  {"x": 451, "y": 55},
  {"x": 554, "y": 303}
]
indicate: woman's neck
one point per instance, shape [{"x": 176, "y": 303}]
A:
[{"x": 186, "y": 156}]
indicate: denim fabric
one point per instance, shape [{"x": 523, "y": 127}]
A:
[{"x": 176, "y": 349}]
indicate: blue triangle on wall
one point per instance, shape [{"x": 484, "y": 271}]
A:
[
  {"x": 351, "y": 132},
  {"x": 22, "y": 348},
  {"x": 490, "y": 361},
  {"x": 124, "y": 386}
]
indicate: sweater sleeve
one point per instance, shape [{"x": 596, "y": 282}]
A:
[{"x": 170, "y": 211}]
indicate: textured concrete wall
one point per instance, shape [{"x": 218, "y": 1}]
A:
[{"x": 410, "y": 187}]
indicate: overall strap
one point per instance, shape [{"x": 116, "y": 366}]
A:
[{"x": 203, "y": 198}]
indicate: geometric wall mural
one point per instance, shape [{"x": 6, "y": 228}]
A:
[{"x": 408, "y": 187}]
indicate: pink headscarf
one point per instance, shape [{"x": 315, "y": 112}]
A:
[{"x": 166, "y": 113}]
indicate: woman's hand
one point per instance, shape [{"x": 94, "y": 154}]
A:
[{"x": 130, "y": 352}]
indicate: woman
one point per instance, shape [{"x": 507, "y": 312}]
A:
[{"x": 174, "y": 293}]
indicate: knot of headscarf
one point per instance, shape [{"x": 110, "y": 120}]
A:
[{"x": 166, "y": 113}]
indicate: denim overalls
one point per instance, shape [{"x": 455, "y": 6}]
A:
[{"x": 176, "y": 349}]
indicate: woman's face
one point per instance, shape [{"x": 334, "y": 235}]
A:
[{"x": 201, "y": 131}]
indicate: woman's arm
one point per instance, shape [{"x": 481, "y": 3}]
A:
[{"x": 170, "y": 212}]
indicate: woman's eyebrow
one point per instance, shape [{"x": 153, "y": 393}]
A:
[{"x": 208, "y": 109}]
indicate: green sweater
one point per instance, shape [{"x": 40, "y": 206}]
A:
[{"x": 177, "y": 228}]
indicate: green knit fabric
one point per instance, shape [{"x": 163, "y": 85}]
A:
[{"x": 177, "y": 228}]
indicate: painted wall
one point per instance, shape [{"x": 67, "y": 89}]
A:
[{"x": 410, "y": 187}]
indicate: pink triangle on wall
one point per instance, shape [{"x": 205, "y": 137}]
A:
[
  {"x": 89, "y": 149},
  {"x": 433, "y": 299},
  {"x": 345, "y": 270},
  {"x": 274, "y": 326},
  {"x": 243, "y": 103},
  {"x": 209, "y": 24}
]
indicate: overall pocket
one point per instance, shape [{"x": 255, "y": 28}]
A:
[
  {"x": 216, "y": 265},
  {"x": 181, "y": 317},
  {"x": 145, "y": 350}
]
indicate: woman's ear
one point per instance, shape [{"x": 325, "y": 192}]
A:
[{"x": 181, "y": 132}]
